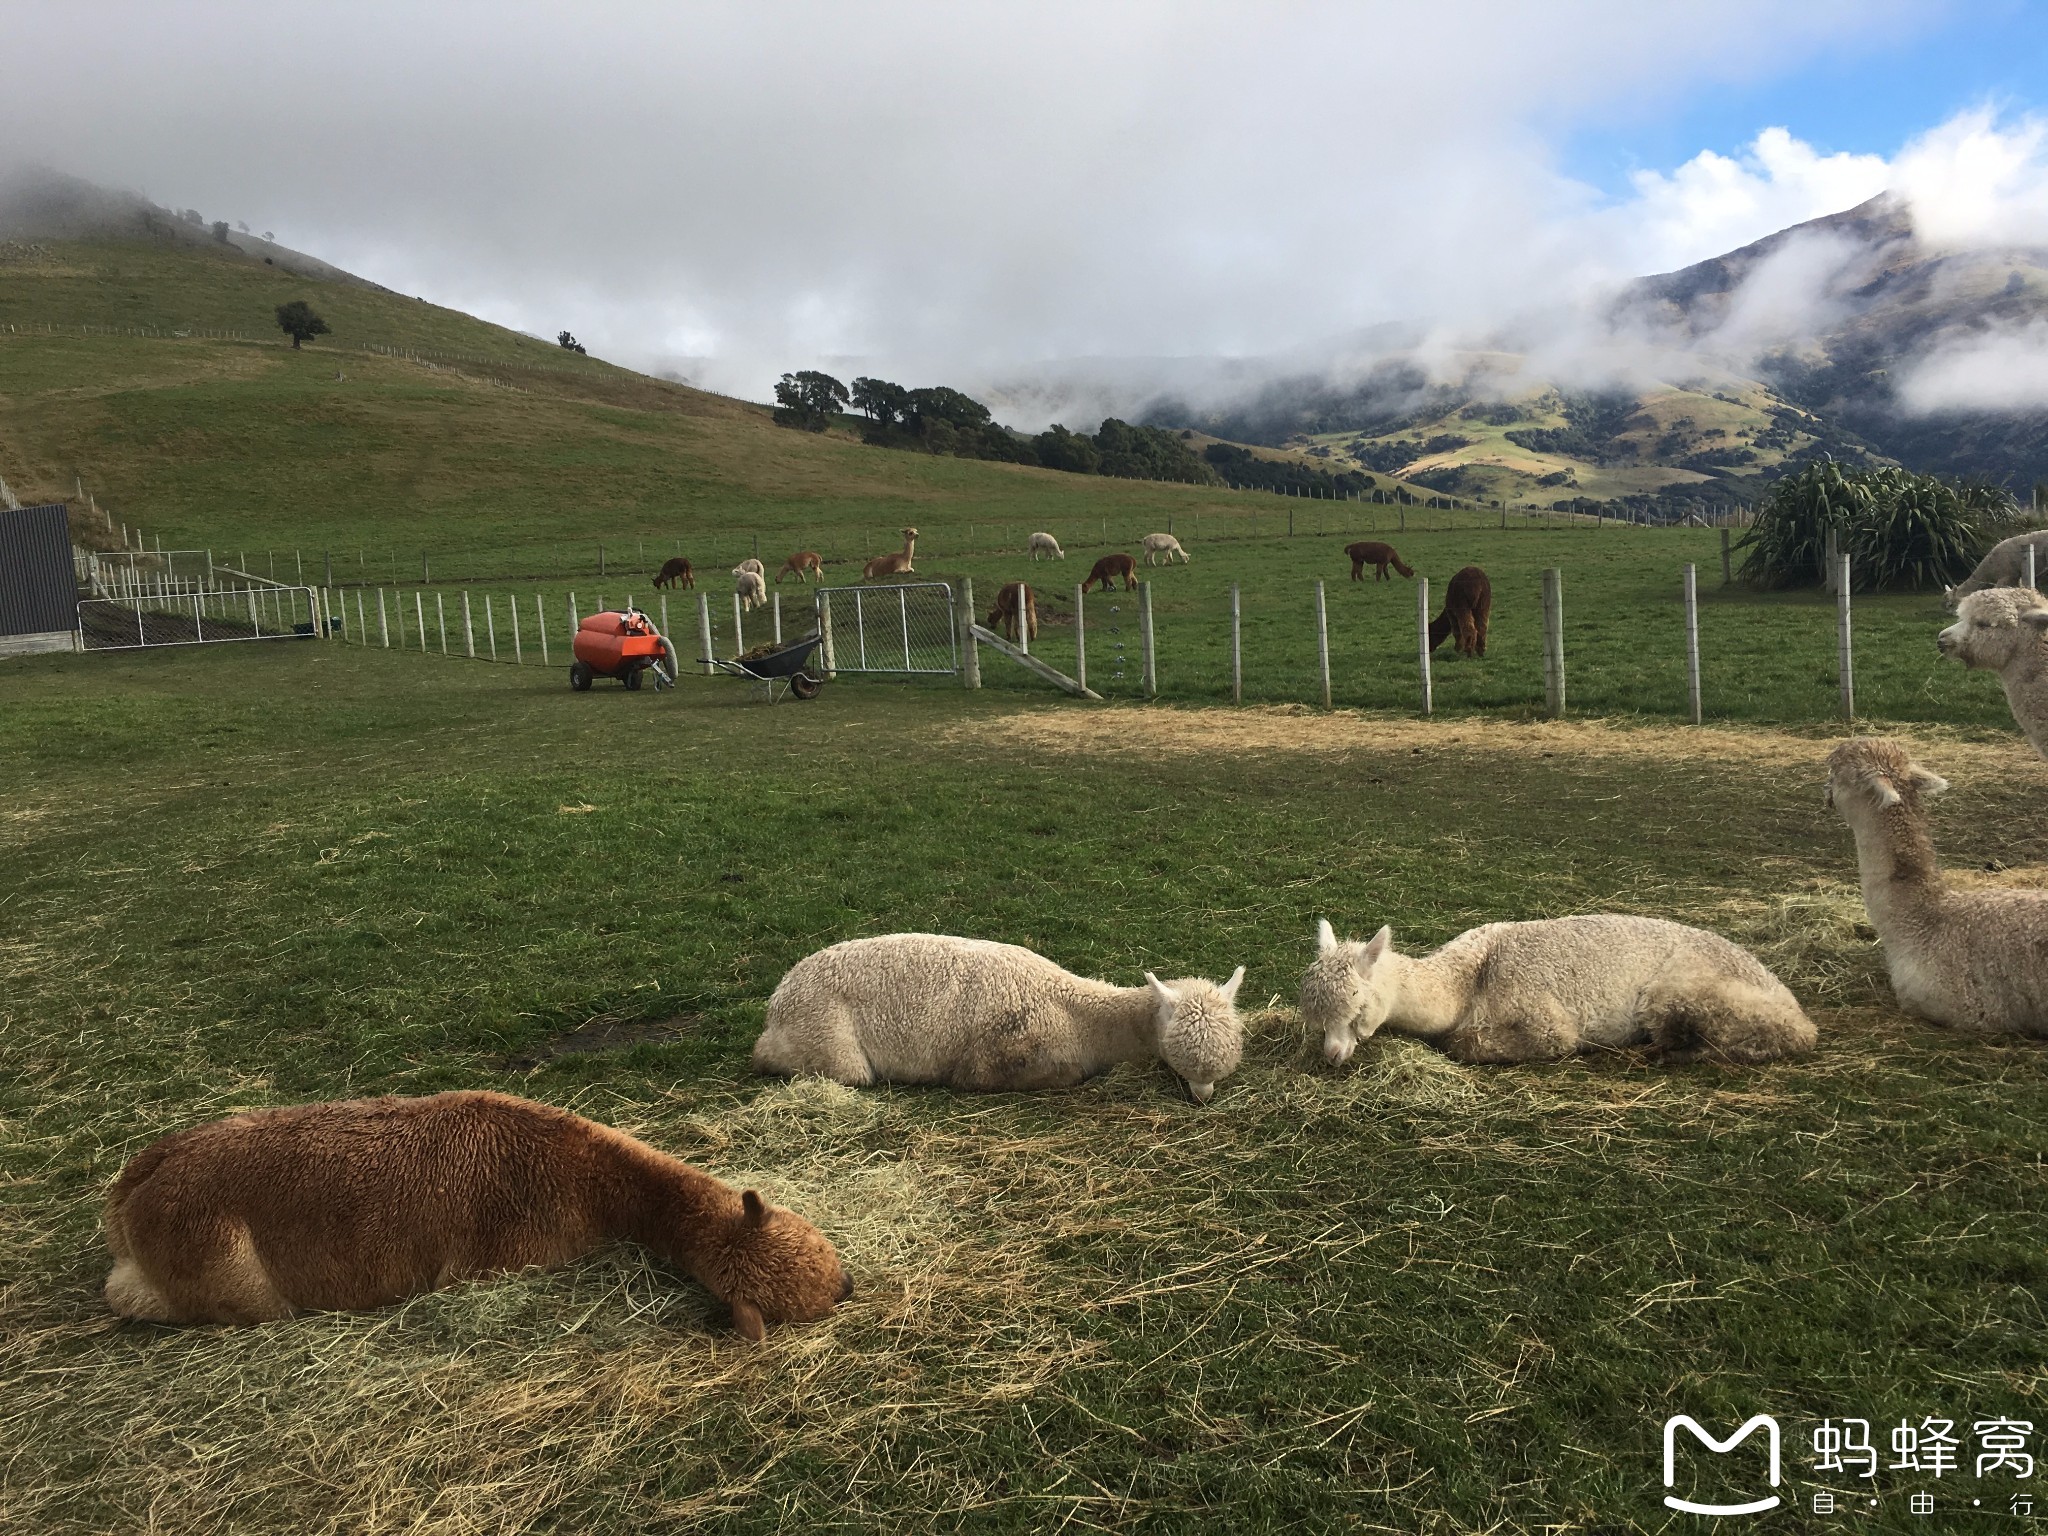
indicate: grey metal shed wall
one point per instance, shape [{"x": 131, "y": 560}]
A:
[{"x": 38, "y": 586}]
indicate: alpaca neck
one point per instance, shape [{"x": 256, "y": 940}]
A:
[
  {"x": 1895, "y": 857},
  {"x": 1117, "y": 1023},
  {"x": 667, "y": 1206},
  {"x": 1430, "y": 995}
]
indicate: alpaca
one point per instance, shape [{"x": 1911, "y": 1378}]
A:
[
  {"x": 1971, "y": 959},
  {"x": 2005, "y": 630},
  {"x": 1541, "y": 991},
  {"x": 674, "y": 573},
  {"x": 1110, "y": 567},
  {"x": 1163, "y": 544},
  {"x": 2004, "y": 566},
  {"x": 929, "y": 1008},
  {"x": 804, "y": 564},
  {"x": 751, "y": 564},
  {"x": 897, "y": 564},
  {"x": 1046, "y": 544},
  {"x": 346, "y": 1206},
  {"x": 1468, "y": 602},
  {"x": 752, "y": 589},
  {"x": 1004, "y": 615},
  {"x": 1377, "y": 555}
]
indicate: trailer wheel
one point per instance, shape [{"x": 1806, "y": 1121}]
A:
[
  {"x": 580, "y": 676},
  {"x": 804, "y": 686},
  {"x": 632, "y": 678}
]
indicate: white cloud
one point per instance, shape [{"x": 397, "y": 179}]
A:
[
  {"x": 1995, "y": 371},
  {"x": 1974, "y": 181}
]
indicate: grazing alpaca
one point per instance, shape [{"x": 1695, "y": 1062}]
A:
[
  {"x": 929, "y": 1008},
  {"x": 1046, "y": 544},
  {"x": 345, "y": 1206},
  {"x": 1972, "y": 959},
  {"x": 2005, "y": 630},
  {"x": 752, "y": 589},
  {"x": 1468, "y": 601},
  {"x": 1162, "y": 544},
  {"x": 1379, "y": 556},
  {"x": 804, "y": 564},
  {"x": 897, "y": 564},
  {"x": 676, "y": 572},
  {"x": 1544, "y": 990},
  {"x": 1110, "y": 567},
  {"x": 1004, "y": 615},
  {"x": 751, "y": 564},
  {"x": 2004, "y": 566}
]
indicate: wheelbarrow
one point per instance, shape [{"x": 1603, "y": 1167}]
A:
[
  {"x": 622, "y": 644},
  {"x": 778, "y": 669}
]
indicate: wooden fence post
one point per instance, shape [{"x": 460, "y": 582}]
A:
[
  {"x": 1151, "y": 654},
  {"x": 664, "y": 623},
  {"x": 441, "y": 619},
  {"x": 540, "y": 620},
  {"x": 739, "y": 634},
  {"x": 362, "y": 628},
  {"x": 1847, "y": 651},
  {"x": 1422, "y": 641},
  {"x": 1081, "y": 636},
  {"x": 384, "y": 628},
  {"x": 518, "y": 650},
  {"x": 1236, "y": 647},
  {"x": 468, "y": 629},
  {"x": 774, "y": 611},
  {"x": 419, "y": 613},
  {"x": 1553, "y": 643},
  {"x": 827, "y": 659},
  {"x": 970, "y": 648},
  {"x": 1692, "y": 640},
  {"x": 1323, "y": 644},
  {"x": 2030, "y": 568},
  {"x": 491, "y": 623}
]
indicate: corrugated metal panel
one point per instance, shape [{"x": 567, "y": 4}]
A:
[{"x": 38, "y": 587}]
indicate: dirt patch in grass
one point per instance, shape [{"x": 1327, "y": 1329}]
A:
[{"x": 606, "y": 1032}]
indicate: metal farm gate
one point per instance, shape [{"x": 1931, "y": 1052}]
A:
[
  {"x": 900, "y": 629},
  {"x": 182, "y": 597}
]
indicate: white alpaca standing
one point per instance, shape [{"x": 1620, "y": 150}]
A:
[
  {"x": 2005, "y": 630},
  {"x": 751, "y": 564},
  {"x": 930, "y": 1008},
  {"x": 752, "y": 588},
  {"x": 1543, "y": 990},
  {"x": 1046, "y": 544},
  {"x": 1971, "y": 959},
  {"x": 1162, "y": 544},
  {"x": 2004, "y": 566}
]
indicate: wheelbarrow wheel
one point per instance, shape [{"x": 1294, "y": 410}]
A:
[
  {"x": 632, "y": 678},
  {"x": 803, "y": 685},
  {"x": 580, "y": 676}
]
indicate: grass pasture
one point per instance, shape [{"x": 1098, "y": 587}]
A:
[{"x": 1406, "y": 1297}]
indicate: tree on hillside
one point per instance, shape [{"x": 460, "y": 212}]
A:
[
  {"x": 808, "y": 399},
  {"x": 298, "y": 321},
  {"x": 220, "y": 230},
  {"x": 568, "y": 343},
  {"x": 881, "y": 402}
]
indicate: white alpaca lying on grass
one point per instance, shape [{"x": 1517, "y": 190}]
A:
[
  {"x": 930, "y": 1008},
  {"x": 2005, "y": 630},
  {"x": 1544, "y": 990},
  {"x": 1971, "y": 959}
]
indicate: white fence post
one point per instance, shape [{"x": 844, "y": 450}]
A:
[
  {"x": 775, "y": 614},
  {"x": 1236, "y": 647},
  {"x": 1322, "y": 644},
  {"x": 518, "y": 650},
  {"x": 664, "y": 614},
  {"x": 2030, "y": 568},
  {"x": 419, "y": 613},
  {"x": 1553, "y": 643},
  {"x": 1023, "y": 621},
  {"x": 1151, "y": 652},
  {"x": 1847, "y": 652},
  {"x": 1081, "y": 636},
  {"x": 441, "y": 620},
  {"x": 739, "y": 634},
  {"x": 491, "y": 623},
  {"x": 704, "y": 629},
  {"x": 1692, "y": 640},
  {"x": 1422, "y": 640},
  {"x": 468, "y": 629},
  {"x": 540, "y": 621},
  {"x": 362, "y": 628},
  {"x": 383, "y": 628},
  {"x": 970, "y": 648}
]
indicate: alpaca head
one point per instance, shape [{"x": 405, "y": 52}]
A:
[
  {"x": 1996, "y": 626},
  {"x": 1870, "y": 775},
  {"x": 1347, "y": 993},
  {"x": 772, "y": 1266},
  {"x": 1199, "y": 1033}
]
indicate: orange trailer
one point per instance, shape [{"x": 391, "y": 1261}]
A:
[{"x": 624, "y": 645}]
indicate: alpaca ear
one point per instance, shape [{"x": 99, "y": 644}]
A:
[
  {"x": 753, "y": 1209},
  {"x": 1229, "y": 988},
  {"x": 1882, "y": 787},
  {"x": 1161, "y": 990},
  {"x": 1326, "y": 936},
  {"x": 746, "y": 1321},
  {"x": 1380, "y": 943},
  {"x": 1930, "y": 782}
]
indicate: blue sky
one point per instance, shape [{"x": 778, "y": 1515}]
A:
[{"x": 1864, "y": 96}]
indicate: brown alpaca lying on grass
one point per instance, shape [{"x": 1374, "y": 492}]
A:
[
  {"x": 1108, "y": 568},
  {"x": 1004, "y": 615},
  {"x": 1379, "y": 557},
  {"x": 1468, "y": 601},
  {"x": 345, "y": 1206},
  {"x": 804, "y": 564},
  {"x": 674, "y": 573}
]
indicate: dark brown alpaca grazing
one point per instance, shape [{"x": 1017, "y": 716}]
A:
[
  {"x": 1377, "y": 555},
  {"x": 1110, "y": 567},
  {"x": 804, "y": 564},
  {"x": 675, "y": 572},
  {"x": 345, "y": 1206},
  {"x": 1004, "y": 615},
  {"x": 1468, "y": 601}
]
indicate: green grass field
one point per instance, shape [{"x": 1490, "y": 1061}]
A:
[{"x": 1408, "y": 1297}]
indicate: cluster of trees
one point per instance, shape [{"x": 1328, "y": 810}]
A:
[
  {"x": 1899, "y": 529},
  {"x": 940, "y": 420},
  {"x": 1240, "y": 466},
  {"x": 568, "y": 343}
]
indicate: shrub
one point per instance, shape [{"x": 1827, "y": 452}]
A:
[{"x": 1900, "y": 530}]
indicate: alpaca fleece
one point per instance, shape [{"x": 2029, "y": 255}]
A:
[
  {"x": 2005, "y": 630},
  {"x": 2004, "y": 566},
  {"x": 351, "y": 1205},
  {"x": 1539, "y": 991},
  {"x": 931, "y": 1008}
]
